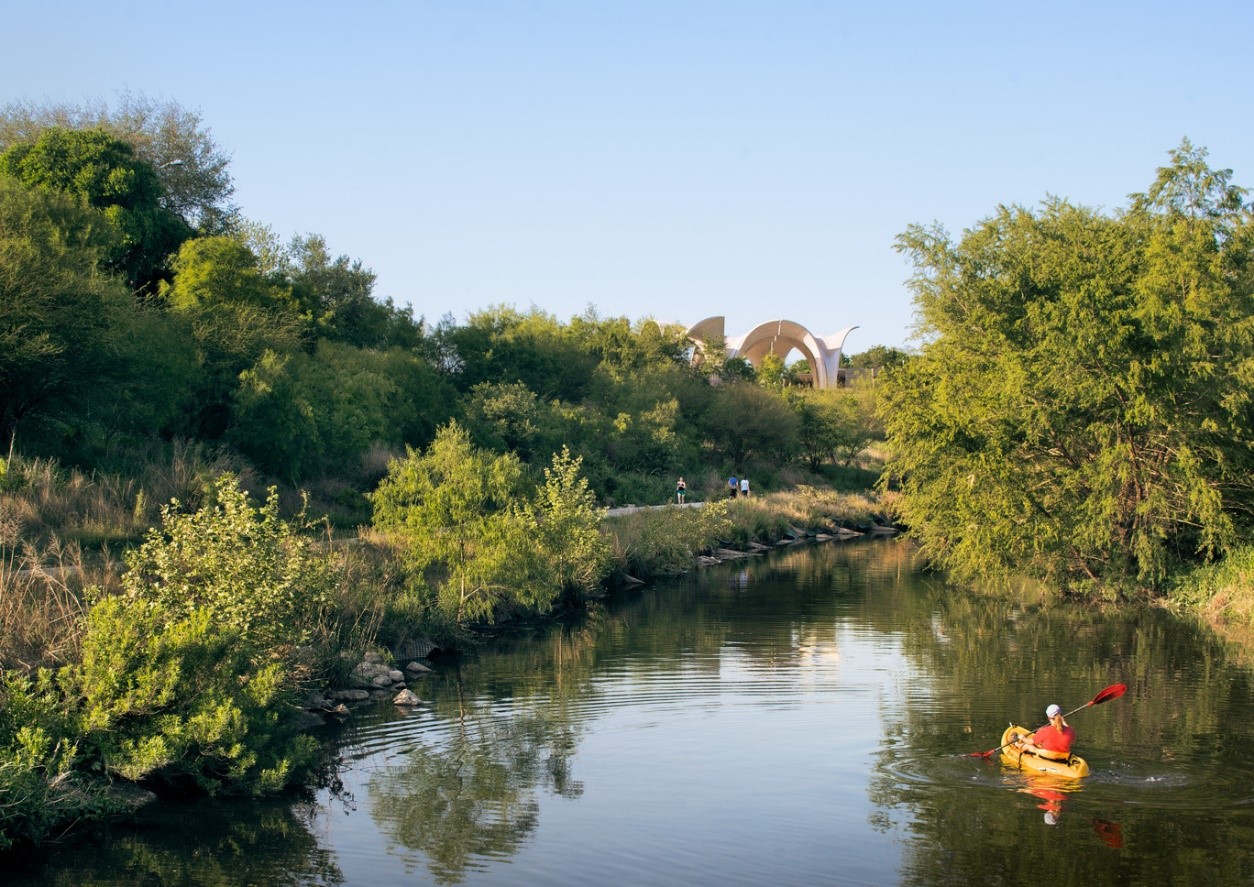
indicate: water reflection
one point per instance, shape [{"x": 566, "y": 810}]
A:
[
  {"x": 473, "y": 796},
  {"x": 210, "y": 844}
]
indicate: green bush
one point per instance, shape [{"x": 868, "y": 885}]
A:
[
  {"x": 245, "y": 565},
  {"x": 39, "y": 790},
  {"x": 180, "y": 698}
]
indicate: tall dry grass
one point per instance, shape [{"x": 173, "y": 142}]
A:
[
  {"x": 805, "y": 507},
  {"x": 41, "y": 600},
  {"x": 61, "y": 530}
]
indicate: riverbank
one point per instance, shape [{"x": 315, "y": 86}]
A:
[
  {"x": 1222, "y": 596},
  {"x": 235, "y": 627}
]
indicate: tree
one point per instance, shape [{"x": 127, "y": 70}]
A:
[
  {"x": 878, "y": 357},
  {"x": 302, "y": 415},
  {"x": 236, "y": 313},
  {"x": 196, "y": 182},
  {"x": 189, "y": 675},
  {"x": 744, "y": 421},
  {"x": 57, "y": 312},
  {"x": 336, "y": 296},
  {"x": 566, "y": 524},
  {"x": 1081, "y": 411},
  {"x": 836, "y": 424},
  {"x": 104, "y": 171},
  {"x": 454, "y": 511}
]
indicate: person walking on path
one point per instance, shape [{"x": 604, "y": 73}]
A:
[
  {"x": 681, "y": 490},
  {"x": 733, "y": 485},
  {"x": 744, "y": 487}
]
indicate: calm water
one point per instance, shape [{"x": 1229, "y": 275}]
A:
[{"x": 799, "y": 719}]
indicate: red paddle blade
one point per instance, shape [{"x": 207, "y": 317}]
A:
[{"x": 1114, "y": 691}]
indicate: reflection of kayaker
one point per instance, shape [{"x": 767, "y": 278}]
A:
[
  {"x": 1051, "y": 803},
  {"x": 1110, "y": 833}
]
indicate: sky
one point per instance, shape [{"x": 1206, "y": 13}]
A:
[{"x": 675, "y": 160}]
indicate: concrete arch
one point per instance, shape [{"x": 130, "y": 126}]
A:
[{"x": 779, "y": 337}]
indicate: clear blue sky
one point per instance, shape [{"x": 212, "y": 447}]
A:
[{"x": 666, "y": 159}]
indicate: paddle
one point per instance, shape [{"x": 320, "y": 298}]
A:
[{"x": 1114, "y": 691}]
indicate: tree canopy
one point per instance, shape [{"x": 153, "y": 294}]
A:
[{"x": 1081, "y": 409}]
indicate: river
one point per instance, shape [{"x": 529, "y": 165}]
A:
[{"x": 806, "y": 717}]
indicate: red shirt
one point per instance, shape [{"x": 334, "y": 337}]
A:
[{"x": 1053, "y": 740}]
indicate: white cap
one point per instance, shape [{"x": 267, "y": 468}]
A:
[{"x": 1053, "y": 710}]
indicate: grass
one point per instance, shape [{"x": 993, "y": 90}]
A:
[
  {"x": 1223, "y": 594},
  {"x": 664, "y": 541}
]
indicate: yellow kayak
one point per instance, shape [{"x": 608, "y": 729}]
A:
[{"x": 1074, "y": 767}]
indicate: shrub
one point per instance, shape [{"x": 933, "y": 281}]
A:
[
  {"x": 178, "y": 698},
  {"x": 39, "y": 792},
  {"x": 246, "y": 566}
]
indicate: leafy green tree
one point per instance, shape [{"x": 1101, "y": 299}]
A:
[
  {"x": 222, "y": 270},
  {"x": 1081, "y": 410},
  {"x": 336, "y": 295},
  {"x": 504, "y": 417},
  {"x": 836, "y": 424},
  {"x": 236, "y": 313},
  {"x": 568, "y": 542},
  {"x": 772, "y": 372},
  {"x": 57, "y": 312},
  {"x": 253, "y": 571},
  {"x": 502, "y": 345},
  {"x": 744, "y": 421},
  {"x": 193, "y": 169},
  {"x": 302, "y": 415},
  {"x": 878, "y": 357},
  {"x": 104, "y": 171},
  {"x": 178, "y": 699},
  {"x": 454, "y": 510}
]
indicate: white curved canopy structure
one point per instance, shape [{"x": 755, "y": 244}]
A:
[{"x": 779, "y": 337}]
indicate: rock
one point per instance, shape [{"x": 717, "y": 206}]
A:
[
  {"x": 368, "y": 675},
  {"x": 418, "y": 668},
  {"x": 317, "y": 702},
  {"x": 340, "y": 710},
  {"x": 729, "y": 554},
  {"x": 631, "y": 580},
  {"x": 355, "y": 695},
  {"x": 406, "y": 697},
  {"x": 307, "y": 720}
]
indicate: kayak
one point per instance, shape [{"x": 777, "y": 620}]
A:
[{"x": 1074, "y": 767}]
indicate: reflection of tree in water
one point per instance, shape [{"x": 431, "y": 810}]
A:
[
  {"x": 474, "y": 796},
  {"x": 209, "y": 844}
]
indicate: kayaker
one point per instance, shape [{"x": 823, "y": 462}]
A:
[{"x": 1053, "y": 740}]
